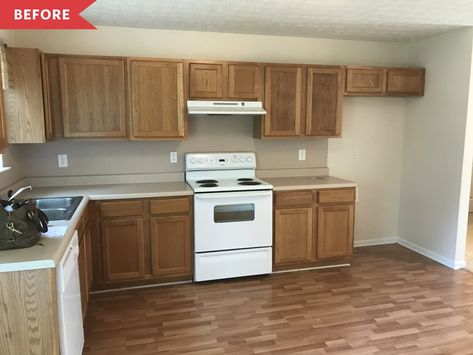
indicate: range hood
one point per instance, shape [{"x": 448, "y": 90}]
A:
[{"x": 195, "y": 107}]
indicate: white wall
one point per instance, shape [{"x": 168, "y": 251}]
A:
[
  {"x": 434, "y": 190},
  {"x": 373, "y": 124},
  {"x": 208, "y": 45}
]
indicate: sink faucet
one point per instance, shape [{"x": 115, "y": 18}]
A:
[{"x": 19, "y": 191}]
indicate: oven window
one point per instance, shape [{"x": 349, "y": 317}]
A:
[{"x": 234, "y": 213}]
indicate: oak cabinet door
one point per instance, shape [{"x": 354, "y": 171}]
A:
[
  {"x": 171, "y": 249},
  {"x": 283, "y": 100},
  {"x": 24, "y": 105},
  {"x": 206, "y": 81},
  {"x": 365, "y": 81},
  {"x": 93, "y": 97},
  {"x": 157, "y": 99},
  {"x": 292, "y": 235},
  {"x": 244, "y": 81},
  {"x": 324, "y": 101},
  {"x": 335, "y": 231},
  {"x": 122, "y": 249},
  {"x": 406, "y": 81}
]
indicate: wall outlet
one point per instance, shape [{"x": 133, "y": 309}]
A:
[
  {"x": 301, "y": 154},
  {"x": 173, "y": 157},
  {"x": 62, "y": 161},
  {"x": 355, "y": 153}
]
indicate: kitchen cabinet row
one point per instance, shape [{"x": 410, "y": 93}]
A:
[
  {"x": 146, "y": 241},
  {"x": 56, "y": 96}
]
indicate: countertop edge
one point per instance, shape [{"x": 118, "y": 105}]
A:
[
  {"x": 102, "y": 197},
  {"x": 314, "y": 186},
  {"x": 28, "y": 265}
]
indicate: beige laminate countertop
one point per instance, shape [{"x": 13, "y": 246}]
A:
[
  {"x": 48, "y": 252},
  {"x": 308, "y": 183}
]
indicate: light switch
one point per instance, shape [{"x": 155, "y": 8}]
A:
[
  {"x": 301, "y": 154},
  {"x": 62, "y": 161},
  {"x": 173, "y": 157}
]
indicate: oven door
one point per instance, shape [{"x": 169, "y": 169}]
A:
[{"x": 233, "y": 220}]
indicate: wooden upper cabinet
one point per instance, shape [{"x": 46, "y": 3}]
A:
[
  {"x": 24, "y": 106},
  {"x": 335, "y": 231},
  {"x": 206, "y": 81},
  {"x": 225, "y": 81},
  {"x": 365, "y": 80},
  {"x": 156, "y": 90},
  {"x": 405, "y": 81},
  {"x": 93, "y": 97},
  {"x": 384, "y": 81},
  {"x": 245, "y": 81},
  {"x": 283, "y": 101},
  {"x": 324, "y": 101}
]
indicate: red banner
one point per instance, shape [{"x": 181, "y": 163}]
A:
[{"x": 43, "y": 14}]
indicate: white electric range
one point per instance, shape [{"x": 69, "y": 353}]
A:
[{"x": 232, "y": 216}]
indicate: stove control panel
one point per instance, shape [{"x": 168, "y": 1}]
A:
[{"x": 220, "y": 161}]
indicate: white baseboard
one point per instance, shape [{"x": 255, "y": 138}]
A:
[
  {"x": 414, "y": 247},
  {"x": 380, "y": 241},
  {"x": 452, "y": 264}
]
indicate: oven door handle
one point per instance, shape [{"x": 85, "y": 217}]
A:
[{"x": 217, "y": 195}]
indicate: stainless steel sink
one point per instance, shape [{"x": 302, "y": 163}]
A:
[
  {"x": 56, "y": 214},
  {"x": 58, "y": 208}
]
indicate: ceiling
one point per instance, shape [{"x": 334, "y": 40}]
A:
[{"x": 384, "y": 20}]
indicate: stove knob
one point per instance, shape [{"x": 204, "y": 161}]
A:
[
  {"x": 193, "y": 160},
  {"x": 248, "y": 159},
  {"x": 242, "y": 159},
  {"x": 235, "y": 158},
  {"x": 201, "y": 160}
]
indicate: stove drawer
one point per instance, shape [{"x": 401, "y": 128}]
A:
[{"x": 233, "y": 263}]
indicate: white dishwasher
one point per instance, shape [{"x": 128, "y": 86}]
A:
[{"x": 71, "y": 331}]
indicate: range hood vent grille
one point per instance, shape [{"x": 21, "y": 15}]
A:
[{"x": 225, "y": 108}]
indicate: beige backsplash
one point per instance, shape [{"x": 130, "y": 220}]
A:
[{"x": 139, "y": 159}]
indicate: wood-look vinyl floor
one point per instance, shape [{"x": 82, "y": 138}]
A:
[{"x": 390, "y": 301}]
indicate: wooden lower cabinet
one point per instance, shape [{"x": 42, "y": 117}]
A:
[
  {"x": 315, "y": 230},
  {"x": 82, "y": 260},
  {"x": 292, "y": 235},
  {"x": 28, "y": 312},
  {"x": 335, "y": 231},
  {"x": 122, "y": 248},
  {"x": 171, "y": 245},
  {"x": 143, "y": 241}
]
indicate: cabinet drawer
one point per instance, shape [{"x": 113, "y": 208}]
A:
[
  {"x": 121, "y": 209},
  {"x": 169, "y": 205},
  {"x": 293, "y": 198},
  {"x": 337, "y": 195}
]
